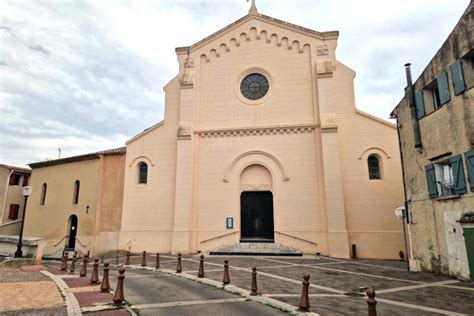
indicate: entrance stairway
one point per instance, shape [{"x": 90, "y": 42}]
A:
[{"x": 255, "y": 249}]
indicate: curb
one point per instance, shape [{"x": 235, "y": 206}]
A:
[
  {"x": 72, "y": 305},
  {"x": 228, "y": 288}
]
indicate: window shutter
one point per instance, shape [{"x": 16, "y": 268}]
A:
[
  {"x": 431, "y": 180},
  {"x": 420, "y": 107},
  {"x": 443, "y": 87},
  {"x": 458, "y": 172},
  {"x": 25, "y": 180},
  {"x": 12, "y": 179},
  {"x": 13, "y": 214},
  {"x": 470, "y": 167},
  {"x": 457, "y": 75}
]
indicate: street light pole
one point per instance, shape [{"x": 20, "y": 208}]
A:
[{"x": 26, "y": 194}]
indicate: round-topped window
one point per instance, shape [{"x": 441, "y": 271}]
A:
[{"x": 254, "y": 86}]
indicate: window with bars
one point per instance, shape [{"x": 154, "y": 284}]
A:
[
  {"x": 142, "y": 173},
  {"x": 254, "y": 86},
  {"x": 373, "y": 164}
]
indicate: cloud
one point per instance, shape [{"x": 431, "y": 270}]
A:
[
  {"x": 87, "y": 75},
  {"x": 38, "y": 48}
]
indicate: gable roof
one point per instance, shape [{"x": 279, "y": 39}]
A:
[
  {"x": 13, "y": 168},
  {"x": 90, "y": 156},
  {"x": 264, "y": 18}
]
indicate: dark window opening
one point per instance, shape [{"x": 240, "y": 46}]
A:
[
  {"x": 75, "y": 198},
  {"x": 43, "y": 194},
  {"x": 142, "y": 173},
  {"x": 374, "y": 167},
  {"x": 15, "y": 179}
]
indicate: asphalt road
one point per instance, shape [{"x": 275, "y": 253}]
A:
[{"x": 155, "y": 293}]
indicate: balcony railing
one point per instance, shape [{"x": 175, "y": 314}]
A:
[{"x": 447, "y": 188}]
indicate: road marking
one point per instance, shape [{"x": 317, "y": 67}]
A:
[
  {"x": 414, "y": 287},
  {"x": 458, "y": 287},
  {"x": 351, "y": 272},
  {"x": 187, "y": 303},
  {"x": 377, "y": 266},
  {"x": 419, "y": 307},
  {"x": 298, "y": 295}
]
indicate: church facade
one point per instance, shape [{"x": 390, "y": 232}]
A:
[{"x": 261, "y": 141}]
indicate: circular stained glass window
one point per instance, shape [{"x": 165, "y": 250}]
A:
[{"x": 254, "y": 86}]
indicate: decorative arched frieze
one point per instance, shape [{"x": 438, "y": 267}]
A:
[
  {"x": 255, "y": 34},
  {"x": 244, "y": 155},
  {"x": 378, "y": 150},
  {"x": 141, "y": 158}
]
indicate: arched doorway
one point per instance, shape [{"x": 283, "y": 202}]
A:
[
  {"x": 256, "y": 204},
  {"x": 72, "y": 232}
]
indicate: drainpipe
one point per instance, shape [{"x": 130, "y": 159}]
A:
[{"x": 410, "y": 97}]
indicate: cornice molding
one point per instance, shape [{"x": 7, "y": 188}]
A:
[{"x": 255, "y": 131}]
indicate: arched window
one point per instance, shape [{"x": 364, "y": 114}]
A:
[
  {"x": 75, "y": 196},
  {"x": 374, "y": 167},
  {"x": 43, "y": 194},
  {"x": 142, "y": 173}
]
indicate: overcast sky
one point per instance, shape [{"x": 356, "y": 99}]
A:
[{"x": 88, "y": 75}]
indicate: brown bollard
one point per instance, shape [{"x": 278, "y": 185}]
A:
[
  {"x": 144, "y": 258},
  {"x": 157, "y": 265},
  {"x": 95, "y": 271},
  {"x": 127, "y": 261},
  {"x": 201, "y": 267},
  {"x": 73, "y": 263},
  {"x": 254, "y": 282},
  {"x": 119, "y": 296},
  {"x": 83, "y": 272},
  {"x": 178, "y": 265},
  {"x": 105, "y": 286},
  {"x": 226, "y": 279},
  {"x": 371, "y": 302},
  {"x": 304, "y": 300},
  {"x": 64, "y": 265}
]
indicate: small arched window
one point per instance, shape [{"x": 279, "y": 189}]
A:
[
  {"x": 374, "y": 167},
  {"x": 142, "y": 173},
  {"x": 43, "y": 193},
  {"x": 75, "y": 196}
]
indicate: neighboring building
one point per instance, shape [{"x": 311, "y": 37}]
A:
[
  {"x": 76, "y": 202},
  {"x": 436, "y": 120},
  {"x": 12, "y": 180},
  {"x": 261, "y": 141}
]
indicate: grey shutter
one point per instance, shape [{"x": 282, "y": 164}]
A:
[
  {"x": 420, "y": 107},
  {"x": 470, "y": 167},
  {"x": 431, "y": 180},
  {"x": 458, "y": 172},
  {"x": 443, "y": 87},
  {"x": 457, "y": 75}
]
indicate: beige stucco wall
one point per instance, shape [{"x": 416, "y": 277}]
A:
[
  {"x": 100, "y": 189},
  {"x": 147, "y": 220},
  {"x": 306, "y": 132}
]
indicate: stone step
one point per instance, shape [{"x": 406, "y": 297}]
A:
[{"x": 255, "y": 249}]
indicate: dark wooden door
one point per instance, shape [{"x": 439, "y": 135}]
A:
[
  {"x": 72, "y": 233},
  {"x": 469, "y": 239},
  {"x": 256, "y": 222}
]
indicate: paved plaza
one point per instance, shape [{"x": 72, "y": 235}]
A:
[{"x": 337, "y": 286}]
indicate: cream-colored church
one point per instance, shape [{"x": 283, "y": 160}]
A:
[{"x": 260, "y": 141}]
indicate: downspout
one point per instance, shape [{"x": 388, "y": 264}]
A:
[{"x": 5, "y": 197}]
